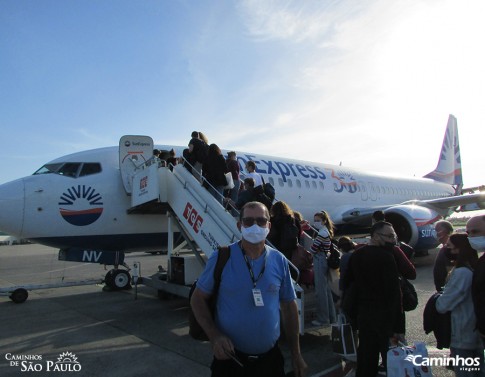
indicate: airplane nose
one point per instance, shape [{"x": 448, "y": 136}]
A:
[{"x": 12, "y": 207}]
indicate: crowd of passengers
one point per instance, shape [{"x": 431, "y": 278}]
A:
[{"x": 375, "y": 308}]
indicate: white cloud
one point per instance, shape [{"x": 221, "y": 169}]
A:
[{"x": 288, "y": 20}]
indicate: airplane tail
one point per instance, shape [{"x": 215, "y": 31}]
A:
[{"x": 449, "y": 164}]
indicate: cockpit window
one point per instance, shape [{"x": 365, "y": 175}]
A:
[
  {"x": 70, "y": 169},
  {"x": 90, "y": 168},
  {"x": 48, "y": 168}
]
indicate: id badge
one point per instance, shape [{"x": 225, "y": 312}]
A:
[{"x": 258, "y": 297}]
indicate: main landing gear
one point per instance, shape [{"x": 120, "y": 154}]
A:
[{"x": 117, "y": 279}]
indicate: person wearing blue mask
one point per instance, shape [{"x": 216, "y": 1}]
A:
[
  {"x": 255, "y": 285},
  {"x": 475, "y": 228}
]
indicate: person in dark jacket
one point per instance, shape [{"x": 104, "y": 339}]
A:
[
  {"x": 198, "y": 150},
  {"x": 285, "y": 230},
  {"x": 246, "y": 195},
  {"x": 233, "y": 167},
  {"x": 374, "y": 276},
  {"x": 213, "y": 170}
]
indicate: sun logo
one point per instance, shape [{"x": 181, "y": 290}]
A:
[
  {"x": 344, "y": 180},
  {"x": 81, "y": 205},
  {"x": 67, "y": 357}
]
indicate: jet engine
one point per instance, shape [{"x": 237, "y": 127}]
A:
[{"x": 414, "y": 225}]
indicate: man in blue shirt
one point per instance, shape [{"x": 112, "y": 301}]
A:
[{"x": 255, "y": 286}]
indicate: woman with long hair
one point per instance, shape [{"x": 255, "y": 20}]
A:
[
  {"x": 457, "y": 298},
  {"x": 285, "y": 230},
  {"x": 321, "y": 247}
]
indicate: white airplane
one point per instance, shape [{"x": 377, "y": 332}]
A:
[{"x": 83, "y": 200}]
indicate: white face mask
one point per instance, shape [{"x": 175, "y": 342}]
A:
[
  {"x": 318, "y": 225},
  {"x": 254, "y": 234},
  {"x": 478, "y": 243}
]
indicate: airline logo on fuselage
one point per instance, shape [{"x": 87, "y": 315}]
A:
[
  {"x": 129, "y": 143},
  {"x": 80, "y": 205},
  {"x": 343, "y": 180},
  {"x": 283, "y": 169}
]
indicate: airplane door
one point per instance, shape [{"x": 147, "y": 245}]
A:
[
  {"x": 372, "y": 191},
  {"x": 134, "y": 151}
]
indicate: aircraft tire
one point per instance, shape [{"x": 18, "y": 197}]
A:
[
  {"x": 19, "y": 295},
  {"x": 108, "y": 279},
  {"x": 122, "y": 279},
  {"x": 118, "y": 279}
]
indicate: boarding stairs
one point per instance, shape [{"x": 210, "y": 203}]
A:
[{"x": 191, "y": 211}]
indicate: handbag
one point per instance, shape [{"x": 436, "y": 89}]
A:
[
  {"x": 302, "y": 258},
  {"x": 409, "y": 295},
  {"x": 407, "y": 361},
  {"x": 229, "y": 180},
  {"x": 333, "y": 258},
  {"x": 343, "y": 341}
]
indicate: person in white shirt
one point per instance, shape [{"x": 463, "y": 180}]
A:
[{"x": 251, "y": 173}]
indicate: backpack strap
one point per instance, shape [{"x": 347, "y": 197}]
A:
[{"x": 222, "y": 258}]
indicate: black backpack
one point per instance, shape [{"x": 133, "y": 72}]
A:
[
  {"x": 409, "y": 295},
  {"x": 263, "y": 198},
  {"x": 195, "y": 330},
  {"x": 269, "y": 190}
]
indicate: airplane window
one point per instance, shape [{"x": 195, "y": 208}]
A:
[
  {"x": 290, "y": 183},
  {"x": 307, "y": 184},
  {"x": 90, "y": 168},
  {"x": 280, "y": 181},
  {"x": 298, "y": 183},
  {"x": 271, "y": 180},
  {"x": 69, "y": 169},
  {"x": 314, "y": 184},
  {"x": 321, "y": 185},
  {"x": 48, "y": 168}
]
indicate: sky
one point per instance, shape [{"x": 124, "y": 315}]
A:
[{"x": 368, "y": 84}]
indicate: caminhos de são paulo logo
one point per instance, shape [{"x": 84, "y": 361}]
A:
[{"x": 66, "y": 362}]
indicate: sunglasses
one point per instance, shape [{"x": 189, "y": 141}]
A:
[
  {"x": 249, "y": 221},
  {"x": 392, "y": 235}
]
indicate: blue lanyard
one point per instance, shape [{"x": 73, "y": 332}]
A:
[{"x": 251, "y": 272}]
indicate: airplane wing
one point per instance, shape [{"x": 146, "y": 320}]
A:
[
  {"x": 451, "y": 201},
  {"x": 441, "y": 206}
]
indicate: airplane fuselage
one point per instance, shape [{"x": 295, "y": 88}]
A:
[{"x": 69, "y": 209}]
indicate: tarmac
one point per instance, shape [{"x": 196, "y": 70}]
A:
[{"x": 85, "y": 331}]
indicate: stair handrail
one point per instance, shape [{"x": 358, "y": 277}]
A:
[{"x": 202, "y": 179}]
